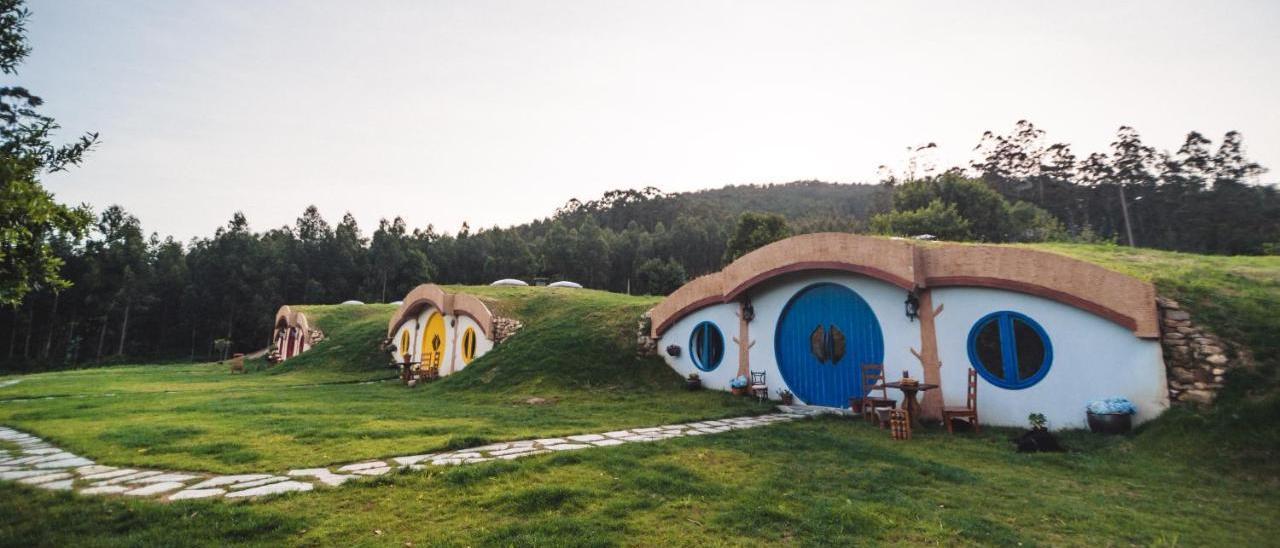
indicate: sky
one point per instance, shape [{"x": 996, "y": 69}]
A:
[{"x": 496, "y": 113}]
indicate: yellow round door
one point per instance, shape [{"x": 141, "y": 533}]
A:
[{"x": 433, "y": 341}]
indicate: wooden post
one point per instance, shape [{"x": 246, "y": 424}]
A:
[
  {"x": 744, "y": 334},
  {"x": 928, "y": 355}
]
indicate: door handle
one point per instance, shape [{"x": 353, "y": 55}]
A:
[{"x": 818, "y": 344}]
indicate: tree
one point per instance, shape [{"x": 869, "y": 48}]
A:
[
  {"x": 659, "y": 277},
  {"x": 753, "y": 231},
  {"x": 937, "y": 219},
  {"x": 29, "y": 216},
  {"x": 983, "y": 209}
]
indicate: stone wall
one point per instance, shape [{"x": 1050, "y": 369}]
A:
[
  {"x": 504, "y": 327},
  {"x": 645, "y": 345},
  {"x": 1196, "y": 359}
]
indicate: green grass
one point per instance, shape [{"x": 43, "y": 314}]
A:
[
  {"x": 828, "y": 482},
  {"x": 1189, "y": 478},
  {"x": 576, "y": 353}
]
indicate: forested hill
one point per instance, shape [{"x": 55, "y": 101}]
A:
[{"x": 121, "y": 293}]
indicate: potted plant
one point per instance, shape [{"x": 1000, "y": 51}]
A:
[
  {"x": 738, "y": 385},
  {"x": 1111, "y": 416},
  {"x": 1038, "y": 438},
  {"x": 786, "y": 396},
  {"x": 693, "y": 382}
]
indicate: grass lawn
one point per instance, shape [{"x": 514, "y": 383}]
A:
[{"x": 1189, "y": 478}]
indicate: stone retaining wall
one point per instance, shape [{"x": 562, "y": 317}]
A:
[
  {"x": 1196, "y": 359},
  {"x": 504, "y": 327}
]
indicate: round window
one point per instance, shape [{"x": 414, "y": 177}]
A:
[
  {"x": 706, "y": 346},
  {"x": 1010, "y": 350},
  {"x": 468, "y": 345}
]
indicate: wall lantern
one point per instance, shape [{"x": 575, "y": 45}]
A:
[
  {"x": 912, "y": 305},
  {"x": 673, "y": 351},
  {"x": 748, "y": 311}
]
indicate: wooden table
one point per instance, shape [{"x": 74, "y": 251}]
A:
[{"x": 909, "y": 401}]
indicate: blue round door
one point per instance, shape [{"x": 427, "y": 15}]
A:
[{"x": 825, "y": 335}]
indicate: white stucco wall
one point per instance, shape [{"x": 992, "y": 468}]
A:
[
  {"x": 411, "y": 327},
  {"x": 1092, "y": 357},
  {"x": 769, "y": 299},
  {"x": 483, "y": 344}
]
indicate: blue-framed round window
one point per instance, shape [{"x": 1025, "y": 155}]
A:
[
  {"x": 706, "y": 346},
  {"x": 1010, "y": 350}
]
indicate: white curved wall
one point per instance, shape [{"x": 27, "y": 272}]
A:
[
  {"x": 769, "y": 299},
  {"x": 1092, "y": 357},
  {"x": 454, "y": 327}
]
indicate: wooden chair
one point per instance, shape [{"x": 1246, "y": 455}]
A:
[
  {"x": 970, "y": 409},
  {"x": 899, "y": 424},
  {"x": 758, "y": 386},
  {"x": 872, "y": 380}
]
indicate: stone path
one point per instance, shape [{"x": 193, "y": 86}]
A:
[{"x": 38, "y": 463}]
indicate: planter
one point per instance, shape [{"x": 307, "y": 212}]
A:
[
  {"x": 1037, "y": 440},
  {"x": 788, "y": 399},
  {"x": 739, "y": 391},
  {"x": 1110, "y": 423},
  {"x": 693, "y": 384}
]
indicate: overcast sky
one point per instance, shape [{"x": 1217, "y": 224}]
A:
[{"x": 498, "y": 112}]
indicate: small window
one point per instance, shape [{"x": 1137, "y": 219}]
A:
[
  {"x": 468, "y": 345},
  {"x": 706, "y": 346},
  {"x": 404, "y": 340},
  {"x": 1010, "y": 350}
]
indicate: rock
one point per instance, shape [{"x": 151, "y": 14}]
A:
[
  {"x": 363, "y": 466},
  {"x": 1219, "y": 371},
  {"x": 1177, "y": 315},
  {"x": 228, "y": 480},
  {"x": 1203, "y": 397},
  {"x": 273, "y": 489},
  {"x": 1183, "y": 375},
  {"x": 1217, "y": 359},
  {"x": 196, "y": 494},
  {"x": 155, "y": 489},
  {"x": 1210, "y": 349}
]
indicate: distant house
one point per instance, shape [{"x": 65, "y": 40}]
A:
[
  {"x": 292, "y": 334},
  {"x": 1045, "y": 333},
  {"x": 433, "y": 330}
]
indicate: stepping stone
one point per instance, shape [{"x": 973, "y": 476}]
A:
[
  {"x": 524, "y": 443},
  {"x": 697, "y": 433},
  {"x": 56, "y": 456},
  {"x": 19, "y": 474},
  {"x": 619, "y": 434},
  {"x": 362, "y": 466},
  {"x": 606, "y": 443},
  {"x": 4, "y": 468},
  {"x": 446, "y": 462},
  {"x": 674, "y": 427},
  {"x": 228, "y": 480},
  {"x": 514, "y": 456},
  {"x": 94, "y": 469},
  {"x": 475, "y": 460},
  {"x": 646, "y": 430},
  {"x": 374, "y": 471},
  {"x": 587, "y": 437},
  {"x": 412, "y": 459},
  {"x": 63, "y": 485},
  {"x": 549, "y": 441},
  {"x": 170, "y": 477},
  {"x": 111, "y": 474},
  {"x": 466, "y": 455},
  {"x": 130, "y": 478},
  {"x": 323, "y": 475},
  {"x": 155, "y": 489},
  {"x": 264, "y": 481},
  {"x": 567, "y": 446},
  {"x": 491, "y": 447},
  {"x": 275, "y": 488},
  {"x": 513, "y": 451},
  {"x": 66, "y": 463},
  {"x": 104, "y": 490},
  {"x": 49, "y": 451},
  {"x": 196, "y": 494},
  {"x": 43, "y": 478}
]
